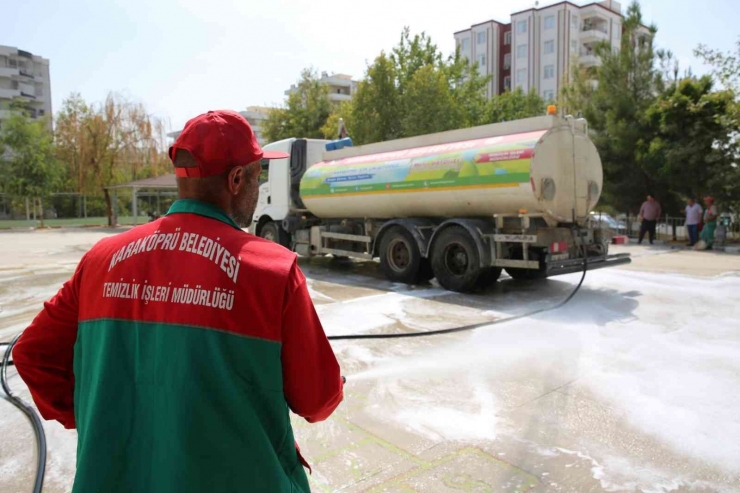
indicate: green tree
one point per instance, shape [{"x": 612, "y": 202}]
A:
[
  {"x": 428, "y": 104},
  {"x": 376, "y": 105},
  {"x": 468, "y": 89},
  {"x": 692, "y": 146},
  {"x": 626, "y": 85},
  {"x": 305, "y": 113},
  {"x": 415, "y": 90},
  {"x": 513, "y": 105},
  {"x": 108, "y": 143},
  {"x": 725, "y": 66},
  {"x": 29, "y": 165},
  {"x": 330, "y": 130}
]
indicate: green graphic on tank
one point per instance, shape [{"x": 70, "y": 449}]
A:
[{"x": 497, "y": 161}]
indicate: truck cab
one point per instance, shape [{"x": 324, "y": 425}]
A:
[{"x": 279, "y": 186}]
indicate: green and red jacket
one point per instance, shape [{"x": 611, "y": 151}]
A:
[{"x": 177, "y": 349}]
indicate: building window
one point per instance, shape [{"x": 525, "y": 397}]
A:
[
  {"x": 574, "y": 22},
  {"x": 549, "y": 47},
  {"x": 465, "y": 44},
  {"x": 507, "y": 83},
  {"x": 521, "y": 27},
  {"x": 548, "y": 96},
  {"x": 574, "y": 46},
  {"x": 521, "y": 51},
  {"x": 550, "y": 22},
  {"x": 481, "y": 37},
  {"x": 549, "y": 71},
  {"x": 521, "y": 76},
  {"x": 481, "y": 60},
  {"x": 507, "y": 38},
  {"x": 507, "y": 61}
]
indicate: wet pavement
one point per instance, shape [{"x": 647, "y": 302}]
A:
[{"x": 632, "y": 386}]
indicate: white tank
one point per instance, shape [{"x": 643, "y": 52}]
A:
[{"x": 544, "y": 165}]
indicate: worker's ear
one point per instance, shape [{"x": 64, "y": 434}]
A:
[{"x": 236, "y": 180}]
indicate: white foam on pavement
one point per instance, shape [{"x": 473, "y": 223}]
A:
[{"x": 660, "y": 349}]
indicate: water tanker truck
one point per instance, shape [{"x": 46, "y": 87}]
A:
[{"x": 460, "y": 205}]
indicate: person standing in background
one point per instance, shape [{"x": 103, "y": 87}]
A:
[
  {"x": 710, "y": 222},
  {"x": 649, "y": 215},
  {"x": 693, "y": 218}
]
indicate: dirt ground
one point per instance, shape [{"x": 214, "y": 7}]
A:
[{"x": 632, "y": 386}]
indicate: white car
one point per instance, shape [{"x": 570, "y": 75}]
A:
[{"x": 604, "y": 220}]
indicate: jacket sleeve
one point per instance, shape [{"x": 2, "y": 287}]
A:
[
  {"x": 312, "y": 382},
  {"x": 44, "y": 353}
]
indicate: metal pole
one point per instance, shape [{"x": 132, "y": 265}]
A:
[
  {"x": 159, "y": 213},
  {"x": 28, "y": 210},
  {"x": 133, "y": 205},
  {"x": 115, "y": 208},
  {"x": 84, "y": 205}
]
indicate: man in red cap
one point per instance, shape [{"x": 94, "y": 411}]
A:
[{"x": 178, "y": 347}]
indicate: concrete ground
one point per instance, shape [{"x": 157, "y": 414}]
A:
[{"x": 632, "y": 386}]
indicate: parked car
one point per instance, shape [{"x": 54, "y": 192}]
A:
[{"x": 604, "y": 220}]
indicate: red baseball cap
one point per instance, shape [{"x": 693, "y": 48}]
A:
[{"x": 219, "y": 140}]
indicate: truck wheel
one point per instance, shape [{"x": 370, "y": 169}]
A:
[
  {"x": 274, "y": 232},
  {"x": 399, "y": 256},
  {"x": 455, "y": 260}
]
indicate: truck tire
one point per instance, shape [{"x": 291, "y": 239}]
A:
[
  {"x": 274, "y": 232},
  {"x": 455, "y": 260},
  {"x": 400, "y": 258}
]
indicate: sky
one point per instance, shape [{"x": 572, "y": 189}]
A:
[{"x": 184, "y": 57}]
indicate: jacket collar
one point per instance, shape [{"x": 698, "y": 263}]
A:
[{"x": 191, "y": 206}]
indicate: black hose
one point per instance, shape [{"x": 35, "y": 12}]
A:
[
  {"x": 30, "y": 412},
  {"x": 471, "y": 326}
]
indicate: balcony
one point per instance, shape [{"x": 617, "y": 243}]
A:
[
  {"x": 589, "y": 60},
  {"x": 8, "y": 72},
  {"x": 9, "y": 93},
  {"x": 337, "y": 97},
  {"x": 592, "y": 33}
]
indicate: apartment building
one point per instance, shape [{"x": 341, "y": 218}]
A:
[
  {"x": 256, "y": 116},
  {"x": 341, "y": 86},
  {"x": 24, "y": 77},
  {"x": 539, "y": 45},
  {"x": 489, "y": 44}
]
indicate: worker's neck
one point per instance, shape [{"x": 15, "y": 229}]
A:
[{"x": 222, "y": 204}]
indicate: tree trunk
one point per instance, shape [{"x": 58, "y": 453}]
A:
[
  {"x": 108, "y": 208},
  {"x": 41, "y": 211}
]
